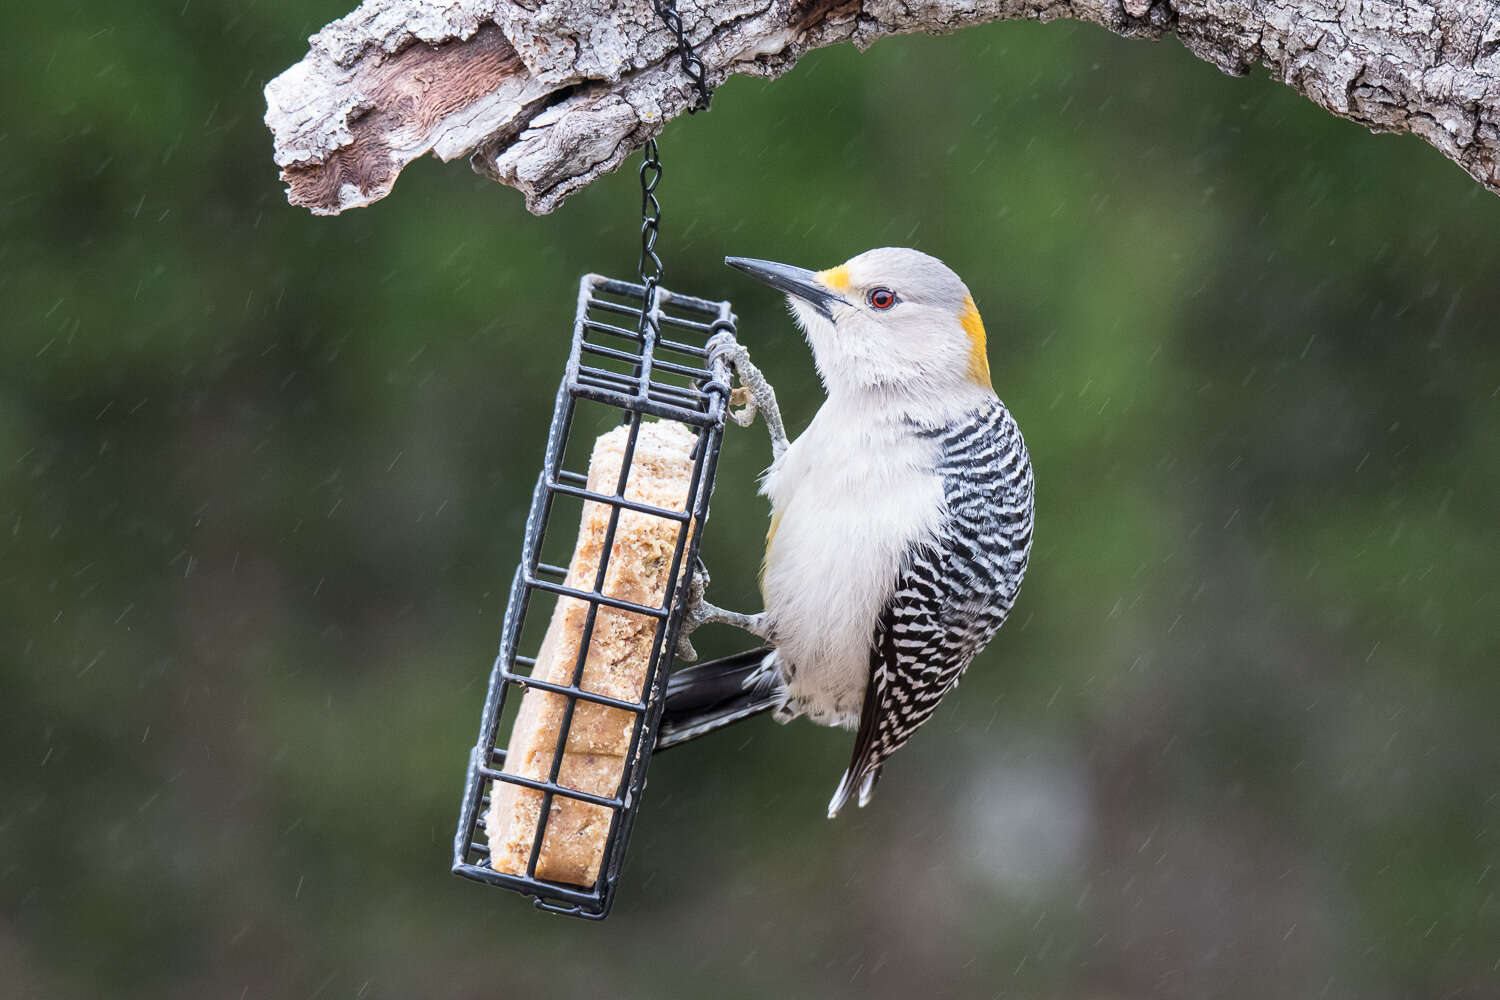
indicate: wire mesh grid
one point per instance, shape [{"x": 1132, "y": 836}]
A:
[{"x": 656, "y": 366}]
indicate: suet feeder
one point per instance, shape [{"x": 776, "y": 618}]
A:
[{"x": 571, "y": 715}]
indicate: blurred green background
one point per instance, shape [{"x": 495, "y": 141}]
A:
[{"x": 263, "y": 476}]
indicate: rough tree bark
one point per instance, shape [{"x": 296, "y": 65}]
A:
[{"x": 546, "y": 95}]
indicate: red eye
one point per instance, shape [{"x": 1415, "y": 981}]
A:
[{"x": 882, "y": 298}]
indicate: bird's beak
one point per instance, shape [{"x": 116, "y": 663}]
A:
[{"x": 797, "y": 281}]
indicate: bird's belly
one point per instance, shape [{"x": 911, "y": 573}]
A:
[{"x": 841, "y": 535}]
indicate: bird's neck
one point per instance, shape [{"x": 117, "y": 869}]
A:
[{"x": 929, "y": 406}]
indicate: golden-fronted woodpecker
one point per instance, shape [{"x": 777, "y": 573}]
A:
[{"x": 901, "y": 518}]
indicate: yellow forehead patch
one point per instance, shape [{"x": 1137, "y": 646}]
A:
[
  {"x": 979, "y": 361},
  {"x": 836, "y": 278}
]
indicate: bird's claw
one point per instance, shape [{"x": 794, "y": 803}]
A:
[
  {"x": 722, "y": 347},
  {"x": 693, "y": 615},
  {"x": 754, "y": 396}
]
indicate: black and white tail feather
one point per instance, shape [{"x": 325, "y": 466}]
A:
[
  {"x": 711, "y": 695},
  {"x": 864, "y": 766}
]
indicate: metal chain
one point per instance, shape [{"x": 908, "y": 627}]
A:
[
  {"x": 650, "y": 268},
  {"x": 650, "y": 264},
  {"x": 691, "y": 64}
]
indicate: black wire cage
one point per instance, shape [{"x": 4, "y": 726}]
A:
[{"x": 631, "y": 359}]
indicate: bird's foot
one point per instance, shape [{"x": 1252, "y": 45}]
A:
[
  {"x": 708, "y": 614},
  {"x": 700, "y": 612},
  {"x": 755, "y": 395}
]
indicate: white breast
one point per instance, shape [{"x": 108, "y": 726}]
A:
[{"x": 849, "y": 499}]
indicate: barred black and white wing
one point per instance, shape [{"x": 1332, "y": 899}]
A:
[{"x": 952, "y": 594}]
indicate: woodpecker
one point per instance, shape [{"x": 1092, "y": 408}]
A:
[{"x": 901, "y": 518}]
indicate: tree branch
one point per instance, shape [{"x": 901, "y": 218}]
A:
[{"x": 546, "y": 95}]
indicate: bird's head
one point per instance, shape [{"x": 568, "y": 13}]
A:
[{"x": 892, "y": 320}]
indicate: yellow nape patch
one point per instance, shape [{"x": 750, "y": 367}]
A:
[
  {"x": 836, "y": 278},
  {"x": 979, "y": 360}
]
